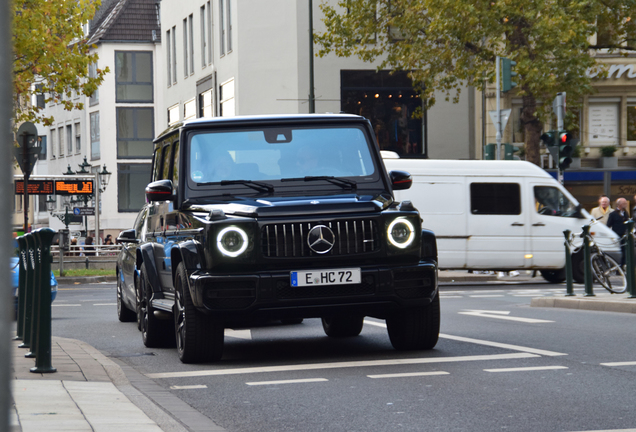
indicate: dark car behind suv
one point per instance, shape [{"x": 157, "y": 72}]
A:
[{"x": 275, "y": 217}]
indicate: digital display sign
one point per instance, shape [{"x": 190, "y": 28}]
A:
[
  {"x": 36, "y": 187},
  {"x": 73, "y": 187}
]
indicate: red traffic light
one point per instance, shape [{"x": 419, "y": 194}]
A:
[{"x": 564, "y": 137}]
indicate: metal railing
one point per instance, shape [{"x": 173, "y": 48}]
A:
[{"x": 84, "y": 255}]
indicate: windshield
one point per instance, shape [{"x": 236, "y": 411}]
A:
[
  {"x": 277, "y": 153},
  {"x": 550, "y": 201}
]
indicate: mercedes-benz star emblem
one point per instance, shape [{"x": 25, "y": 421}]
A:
[{"x": 320, "y": 239}]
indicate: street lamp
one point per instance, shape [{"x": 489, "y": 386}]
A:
[
  {"x": 104, "y": 178},
  {"x": 51, "y": 204}
]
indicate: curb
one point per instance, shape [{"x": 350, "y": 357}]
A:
[
  {"x": 73, "y": 280},
  {"x": 622, "y": 304}
]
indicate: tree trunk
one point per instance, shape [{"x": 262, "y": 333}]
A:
[{"x": 533, "y": 128}]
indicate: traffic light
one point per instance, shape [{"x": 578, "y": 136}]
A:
[
  {"x": 506, "y": 74},
  {"x": 566, "y": 147}
]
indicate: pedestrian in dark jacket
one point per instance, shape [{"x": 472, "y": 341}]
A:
[{"x": 616, "y": 221}]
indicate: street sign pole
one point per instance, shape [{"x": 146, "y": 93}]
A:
[
  {"x": 498, "y": 136},
  {"x": 26, "y": 137}
]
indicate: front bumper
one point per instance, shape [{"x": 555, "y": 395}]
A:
[{"x": 270, "y": 295}]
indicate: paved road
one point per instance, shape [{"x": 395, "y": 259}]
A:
[{"x": 499, "y": 365}]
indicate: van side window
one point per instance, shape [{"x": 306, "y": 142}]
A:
[
  {"x": 495, "y": 198},
  {"x": 550, "y": 201}
]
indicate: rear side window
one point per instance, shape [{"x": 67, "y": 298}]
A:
[{"x": 495, "y": 198}]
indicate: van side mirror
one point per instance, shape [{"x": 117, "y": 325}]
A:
[
  {"x": 400, "y": 180},
  {"x": 577, "y": 214},
  {"x": 160, "y": 190}
]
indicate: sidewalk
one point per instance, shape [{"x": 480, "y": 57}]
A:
[
  {"x": 90, "y": 392},
  {"x": 602, "y": 301}
]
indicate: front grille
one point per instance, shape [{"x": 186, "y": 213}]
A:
[
  {"x": 284, "y": 290},
  {"x": 352, "y": 236}
]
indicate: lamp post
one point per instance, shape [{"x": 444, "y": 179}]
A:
[{"x": 50, "y": 206}]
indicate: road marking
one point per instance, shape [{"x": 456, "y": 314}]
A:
[
  {"x": 524, "y": 369},
  {"x": 188, "y": 387},
  {"x": 64, "y": 305},
  {"x": 294, "y": 381},
  {"x": 502, "y": 345},
  {"x": 339, "y": 365},
  {"x": 630, "y": 363},
  {"x": 528, "y": 295},
  {"x": 105, "y": 304},
  {"x": 239, "y": 334},
  {"x": 447, "y": 296},
  {"x": 483, "y": 342},
  {"x": 502, "y": 315},
  {"x": 486, "y": 295},
  {"x": 411, "y": 374}
]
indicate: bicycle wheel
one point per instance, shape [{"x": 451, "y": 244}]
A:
[{"x": 609, "y": 273}]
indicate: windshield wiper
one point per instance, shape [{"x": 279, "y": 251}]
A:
[
  {"x": 344, "y": 183},
  {"x": 259, "y": 186}
]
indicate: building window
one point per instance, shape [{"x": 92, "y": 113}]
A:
[
  {"x": 189, "y": 109},
  {"x": 226, "y": 96},
  {"x": 53, "y": 145},
  {"x": 174, "y": 54},
  {"x": 185, "y": 47},
  {"x": 133, "y": 74},
  {"x": 631, "y": 122},
  {"x": 43, "y": 149},
  {"x": 222, "y": 27},
  {"x": 204, "y": 45},
  {"x": 69, "y": 139},
  {"x": 95, "y": 150},
  {"x": 603, "y": 124},
  {"x": 191, "y": 47},
  {"x": 135, "y": 128},
  {"x": 495, "y": 198},
  {"x": 60, "y": 139},
  {"x": 229, "y": 25},
  {"x": 132, "y": 180},
  {"x": 78, "y": 138},
  {"x": 169, "y": 57},
  {"x": 205, "y": 104},
  {"x": 39, "y": 97},
  {"x": 92, "y": 73},
  {"x": 173, "y": 114},
  {"x": 209, "y": 16}
]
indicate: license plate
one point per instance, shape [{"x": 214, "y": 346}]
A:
[{"x": 325, "y": 277}]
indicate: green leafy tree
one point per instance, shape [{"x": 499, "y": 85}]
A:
[
  {"x": 50, "y": 55},
  {"x": 447, "y": 44}
]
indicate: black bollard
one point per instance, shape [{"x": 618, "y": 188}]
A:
[
  {"x": 22, "y": 293},
  {"x": 44, "y": 237},
  {"x": 32, "y": 297},
  {"x": 587, "y": 262},
  {"x": 569, "y": 284}
]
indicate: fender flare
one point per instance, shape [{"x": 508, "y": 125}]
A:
[
  {"x": 188, "y": 253},
  {"x": 146, "y": 254}
]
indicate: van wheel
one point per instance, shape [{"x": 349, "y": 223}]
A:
[
  {"x": 415, "y": 328},
  {"x": 553, "y": 276},
  {"x": 199, "y": 336},
  {"x": 341, "y": 326},
  {"x": 155, "y": 333},
  {"x": 578, "y": 269}
]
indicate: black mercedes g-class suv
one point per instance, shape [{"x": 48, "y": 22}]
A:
[{"x": 280, "y": 218}]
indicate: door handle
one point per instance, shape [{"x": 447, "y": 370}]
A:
[
  {"x": 516, "y": 224},
  {"x": 538, "y": 224}
]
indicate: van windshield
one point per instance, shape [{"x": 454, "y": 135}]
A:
[
  {"x": 550, "y": 201},
  {"x": 275, "y": 153}
]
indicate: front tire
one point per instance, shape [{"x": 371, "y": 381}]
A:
[
  {"x": 609, "y": 273},
  {"x": 123, "y": 312},
  {"x": 155, "y": 333},
  {"x": 199, "y": 336},
  {"x": 341, "y": 326},
  {"x": 415, "y": 328},
  {"x": 554, "y": 276}
]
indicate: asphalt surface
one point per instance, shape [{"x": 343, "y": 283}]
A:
[{"x": 277, "y": 377}]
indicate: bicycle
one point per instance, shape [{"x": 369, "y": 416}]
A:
[{"x": 607, "y": 271}]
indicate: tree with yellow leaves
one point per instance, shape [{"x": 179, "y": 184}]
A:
[{"x": 50, "y": 55}]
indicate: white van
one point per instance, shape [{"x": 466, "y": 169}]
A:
[{"x": 498, "y": 215}]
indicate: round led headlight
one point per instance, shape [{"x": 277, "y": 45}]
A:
[
  {"x": 232, "y": 241},
  {"x": 401, "y": 233}
]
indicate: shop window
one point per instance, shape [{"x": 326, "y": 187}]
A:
[
  {"x": 495, "y": 198},
  {"x": 603, "y": 124},
  {"x": 388, "y": 101}
]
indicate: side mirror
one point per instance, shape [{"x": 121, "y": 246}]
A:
[
  {"x": 577, "y": 214},
  {"x": 400, "y": 180},
  {"x": 160, "y": 190},
  {"x": 128, "y": 236}
]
